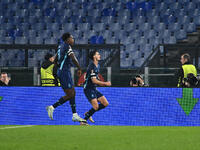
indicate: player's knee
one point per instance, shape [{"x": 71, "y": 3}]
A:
[
  {"x": 96, "y": 107},
  {"x": 106, "y": 104},
  {"x": 71, "y": 94}
]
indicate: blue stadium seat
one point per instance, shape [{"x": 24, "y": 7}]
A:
[
  {"x": 94, "y": 12},
  {"x": 22, "y": 12},
  {"x": 38, "y": 27},
  {"x": 190, "y": 6},
  {"x": 114, "y": 26},
  {"x": 36, "y": 40},
  {"x": 191, "y": 27},
  {"x": 139, "y": 62},
  {"x": 125, "y": 63},
  {"x": 30, "y": 33},
  {"x": 180, "y": 35},
  {"x": 99, "y": 26},
  {"x": 166, "y": 33},
  {"x": 106, "y": 34},
  {"x": 160, "y": 26},
  {"x": 184, "y": 19},
  {"x": 81, "y": 41},
  {"x": 6, "y": 40},
  {"x": 127, "y": 27},
  {"x": 197, "y": 20},
  {"x": 174, "y": 27},
  {"x": 112, "y": 40},
  {"x": 68, "y": 27},
  {"x": 195, "y": 13},
  {"x": 127, "y": 40},
  {"x": 67, "y": 12},
  {"x": 32, "y": 20},
  {"x": 175, "y": 6}
]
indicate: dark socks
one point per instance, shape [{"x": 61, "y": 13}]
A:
[
  {"x": 73, "y": 105},
  {"x": 89, "y": 113},
  {"x": 62, "y": 101},
  {"x": 101, "y": 106},
  {"x": 92, "y": 111},
  {"x": 59, "y": 102}
]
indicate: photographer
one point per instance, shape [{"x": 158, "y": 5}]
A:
[
  {"x": 137, "y": 81},
  {"x": 5, "y": 79},
  {"x": 191, "y": 81}
]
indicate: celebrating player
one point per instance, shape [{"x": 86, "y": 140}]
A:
[
  {"x": 92, "y": 80},
  {"x": 65, "y": 56}
]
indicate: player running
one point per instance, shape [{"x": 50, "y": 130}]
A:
[
  {"x": 65, "y": 56},
  {"x": 92, "y": 80}
]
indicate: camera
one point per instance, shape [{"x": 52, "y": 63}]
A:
[
  {"x": 190, "y": 81},
  {"x": 137, "y": 81}
]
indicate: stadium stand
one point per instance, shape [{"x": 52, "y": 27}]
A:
[{"x": 139, "y": 25}]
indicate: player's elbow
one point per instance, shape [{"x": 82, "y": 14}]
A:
[{"x": 94, "y": 81}]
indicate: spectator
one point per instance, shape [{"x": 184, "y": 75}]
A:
[
  {"x": 49, "y": 71},
  {"x": 186, "y": 68},
  {"x": 4, "y": 79}
]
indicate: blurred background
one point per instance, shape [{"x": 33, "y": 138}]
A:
[{"x": 133, "y": 37}]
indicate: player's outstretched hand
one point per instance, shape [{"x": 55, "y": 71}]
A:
[
  {"x": 79, "y": 72},
  {"x": 108, "y": 83}
]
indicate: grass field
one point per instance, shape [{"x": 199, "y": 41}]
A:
[{"x": 99, "y": 138}]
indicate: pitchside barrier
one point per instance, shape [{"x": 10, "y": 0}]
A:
[{"x": 127, "y": 106}]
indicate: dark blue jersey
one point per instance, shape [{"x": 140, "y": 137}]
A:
[
  {"x": 64, "y": 60},
  {"x": 92, "y": 71}
]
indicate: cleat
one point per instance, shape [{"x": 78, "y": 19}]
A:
[
  {"x": 90, "y": 118},
  {"x": 84, "y": 123},
  {"x": 77, "y": 118},
  {"x": 50, "y": 110}
]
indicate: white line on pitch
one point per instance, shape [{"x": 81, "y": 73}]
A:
[{"x": 13, "y": 127}]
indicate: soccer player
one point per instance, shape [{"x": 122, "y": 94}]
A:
[
  {"x": 92, "y": 80},
  {"x": 65, "y": 56}
]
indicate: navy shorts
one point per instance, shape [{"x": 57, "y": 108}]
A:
[
  {"x": 65, "y": 78},
  {"x": 92, "y": 94}
]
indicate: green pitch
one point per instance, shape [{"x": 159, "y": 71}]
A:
[{"x": 99, "y": 138}]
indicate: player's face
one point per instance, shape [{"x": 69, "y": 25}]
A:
[
  {"x": 71, "y": 40},
  {"x": 97, "y": 56}
]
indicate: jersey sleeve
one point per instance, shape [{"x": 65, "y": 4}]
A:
[
  {"x": 92, "y": 72},
  {"x": 69, "y": 51}
]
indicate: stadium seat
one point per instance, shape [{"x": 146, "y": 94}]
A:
[
  {"x": 6, "y": 40},
  {"x": 191, "y": 27},
  {"x": 34, "y": 40}
]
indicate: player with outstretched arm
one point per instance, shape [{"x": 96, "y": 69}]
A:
[
  {"x": 91, "y": 81},
  {"x": 65, "y": 56}
]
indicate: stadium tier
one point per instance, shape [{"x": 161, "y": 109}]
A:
[{"x": 140, "y": 26}]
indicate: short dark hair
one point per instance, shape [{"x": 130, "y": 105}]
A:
[
  {"x": 186, "y": 56},
  {"x": 3, "y": 73},
  {"x": 47, "y": 56},
  {"x": 65, "y": 36},
  {"x": 92, "y": 53}
]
